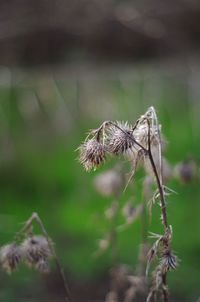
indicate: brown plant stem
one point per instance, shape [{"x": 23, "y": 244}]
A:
[
  {"x": 158, "y": 179},
  {"x": 163, "y": 205}
]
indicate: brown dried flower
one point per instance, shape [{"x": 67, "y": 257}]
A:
[
  {"x": 92, "y": 154},
  {"x": 186, "y": 171},
  {"x": 120, "y": 138},
  {"x": 131, "y": 212},
  {"x": 36, "y": 251},
  {"x": 109, "y": 182},
  {"x": 168, "y": 261},
  {"x": 10, "y": 256}
]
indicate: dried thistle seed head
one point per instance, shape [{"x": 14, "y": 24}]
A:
[
  {"x": 186, "y": 171},
  {"x": 36, "y": 249},
  {"x": 141, "y": 134},
  {"x": 120, "y": 138},
  {"x": 130, "y": 212},
  {"x": 168, "y": 261},
  {"x": 92, "y": 154},
  {"x": 109, "y": 183},
  {"x": 10, "y": 257}
]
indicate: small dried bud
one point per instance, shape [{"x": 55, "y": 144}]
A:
[
  {"x": 109, "y": 183},
  {"x": 120, "y": 138},
  {"x": 186, "y": 171},
  {"x": 103, "y": 244},
  {"x": 10, "y": 256},
  {"x": 168, "y": 261},
  {"x": 36, "y": 249},
  {"x": 130, "y": 212},
  {"x": 92, "y": 154}
]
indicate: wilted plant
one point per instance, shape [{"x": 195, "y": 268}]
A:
[
  {"x": 141, "y": 144},
  {"x": 111, "y": 184},
  {"x": 33, "y": 250}
]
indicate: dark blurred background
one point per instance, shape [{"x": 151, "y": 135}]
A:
[{"x": 66, "y": 66}]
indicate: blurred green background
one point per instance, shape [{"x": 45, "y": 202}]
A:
[
  {"x": 65, "y": 67},
  {"x": 44, "y": 116}
]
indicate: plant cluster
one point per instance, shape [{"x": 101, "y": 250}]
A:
[
  {"x": 140, "y": 144},
  {"x": 35, "y": 251}
]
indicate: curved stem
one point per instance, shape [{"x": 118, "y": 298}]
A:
[
  {"x": 158, "y": 181},
  {"x": 163, "y": 206}
]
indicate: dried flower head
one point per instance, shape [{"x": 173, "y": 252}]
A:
[
  {"x": 120, "y": 138},
  {"x": 35, "y": 250},
  {"x": 10, "y": 256},
  {"x": 109, "y": 183},
  {"x": 131, "y": 212},
  {"x": 168, "y": 261},
  {"x": 92, "y": 154},
  {"x": 186, "y": 171}
]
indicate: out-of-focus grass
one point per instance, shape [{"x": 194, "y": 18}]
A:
[{"x": 44, "y": 176}]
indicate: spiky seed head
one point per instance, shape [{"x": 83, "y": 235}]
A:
[
  {"x": 92, "y": 154},
  {"x": 168, "y": 261},
  {"x": 36, "y": 249},
  {"x": 120, "y": 139},
  {"x": 10, "y": 257}
]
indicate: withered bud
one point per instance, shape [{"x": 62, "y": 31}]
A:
[
  {"x": 131, "y": 212},
  {"x": 109, "y": 183},
  {"x": 103, "y": 244},
  {"x": 10, "y": 257},
  {"x": 120, "y": 138},
  {"x": 186, "y": 171},
  {"x": 36, "y": 249},
  {"x": 168, "y": 261},
  {"x": 92, "y": 154}
]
